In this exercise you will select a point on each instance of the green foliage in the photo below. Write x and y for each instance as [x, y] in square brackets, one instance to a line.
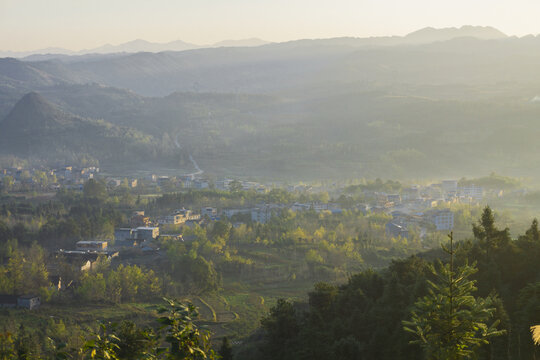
[281, 327]
[127, 341]
[449, 322]
[124, 284]
[493, 181]
[7, 346]
[103, 346]
[94, 189]
[185, 340]
[25, 273]
[225, 350]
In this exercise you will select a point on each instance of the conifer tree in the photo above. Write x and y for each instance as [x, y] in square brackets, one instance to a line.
[450, 323]
[225, 351]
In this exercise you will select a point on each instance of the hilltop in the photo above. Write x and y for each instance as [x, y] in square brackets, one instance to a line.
[37, 129]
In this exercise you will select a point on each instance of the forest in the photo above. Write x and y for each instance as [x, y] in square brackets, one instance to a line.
[364, 318]
[328, 285]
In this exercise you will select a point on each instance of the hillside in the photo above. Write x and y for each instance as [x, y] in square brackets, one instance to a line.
[36, 129]
[322, 108]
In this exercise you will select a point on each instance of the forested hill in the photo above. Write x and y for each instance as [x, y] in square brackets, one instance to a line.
[364, 318]
[435, 103]
[36, 128]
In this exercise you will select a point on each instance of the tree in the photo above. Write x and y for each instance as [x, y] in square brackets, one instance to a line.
[95, 189]
[126, 341]
[533, 234]
[40, 178]
[103, 345]
[450, 323]
[235, 186]
[7, 183]
[133, 342]
[7, 346]
[281, 327]
[225, 351]
[185, 340]
[489, 237]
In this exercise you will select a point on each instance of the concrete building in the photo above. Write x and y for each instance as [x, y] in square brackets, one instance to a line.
[442, 219]
[175, 219]
[471, 191]
[411, 193]
[209, 211]
[394, 229]
[394, 198]
[139, 219]
[262, 215]
[29, 302]
[122, 234]
[147, 233]
[449, 187]
[231, 212]
[91, 245]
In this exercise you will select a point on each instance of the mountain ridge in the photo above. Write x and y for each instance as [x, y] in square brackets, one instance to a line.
[38, 129]
[424, 35]
[133, 46]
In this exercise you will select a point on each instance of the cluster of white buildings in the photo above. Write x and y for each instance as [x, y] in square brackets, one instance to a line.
[178, 217]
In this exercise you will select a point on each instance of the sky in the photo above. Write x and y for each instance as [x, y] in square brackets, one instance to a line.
[82, 24]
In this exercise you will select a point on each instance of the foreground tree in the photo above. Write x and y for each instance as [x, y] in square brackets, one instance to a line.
[225, 351]
[125, 341]
[450, 323]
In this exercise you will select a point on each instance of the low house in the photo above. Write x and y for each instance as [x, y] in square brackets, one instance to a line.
[174, 219]
[147, 233]
[231, 212]
[139, 219]
[28, 301]
[126, 243]
[188, 214]
[209, 211]
[20, 301]
[85, 260]
[395, 198]
[9, 301]
[114, 182]
[122, 234]
[395, 230]
[92, 245]
[176, 237]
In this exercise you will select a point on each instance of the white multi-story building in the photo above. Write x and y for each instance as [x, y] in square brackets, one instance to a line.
[231, 212]
[471, 191]
[442, 219]
[174, 219]
[449, 187]
[209, 211]
[262, 215]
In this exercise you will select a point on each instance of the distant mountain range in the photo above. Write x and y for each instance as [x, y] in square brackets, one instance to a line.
[429, 34]
[433, 103]
[134, 46]
[421, 36]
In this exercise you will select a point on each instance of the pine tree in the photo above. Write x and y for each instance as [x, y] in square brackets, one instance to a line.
[225, 351]
[450, 323]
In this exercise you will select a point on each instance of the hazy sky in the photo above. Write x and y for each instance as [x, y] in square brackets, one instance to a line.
[78, 24]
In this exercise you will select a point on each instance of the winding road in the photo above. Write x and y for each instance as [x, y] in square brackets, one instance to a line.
[195, 165]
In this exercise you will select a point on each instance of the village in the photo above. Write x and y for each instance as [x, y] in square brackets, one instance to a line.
[425, 208]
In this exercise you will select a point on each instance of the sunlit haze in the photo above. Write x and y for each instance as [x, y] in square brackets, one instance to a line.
[75, 25]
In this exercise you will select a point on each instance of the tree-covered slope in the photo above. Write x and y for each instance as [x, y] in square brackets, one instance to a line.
[37, 129]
